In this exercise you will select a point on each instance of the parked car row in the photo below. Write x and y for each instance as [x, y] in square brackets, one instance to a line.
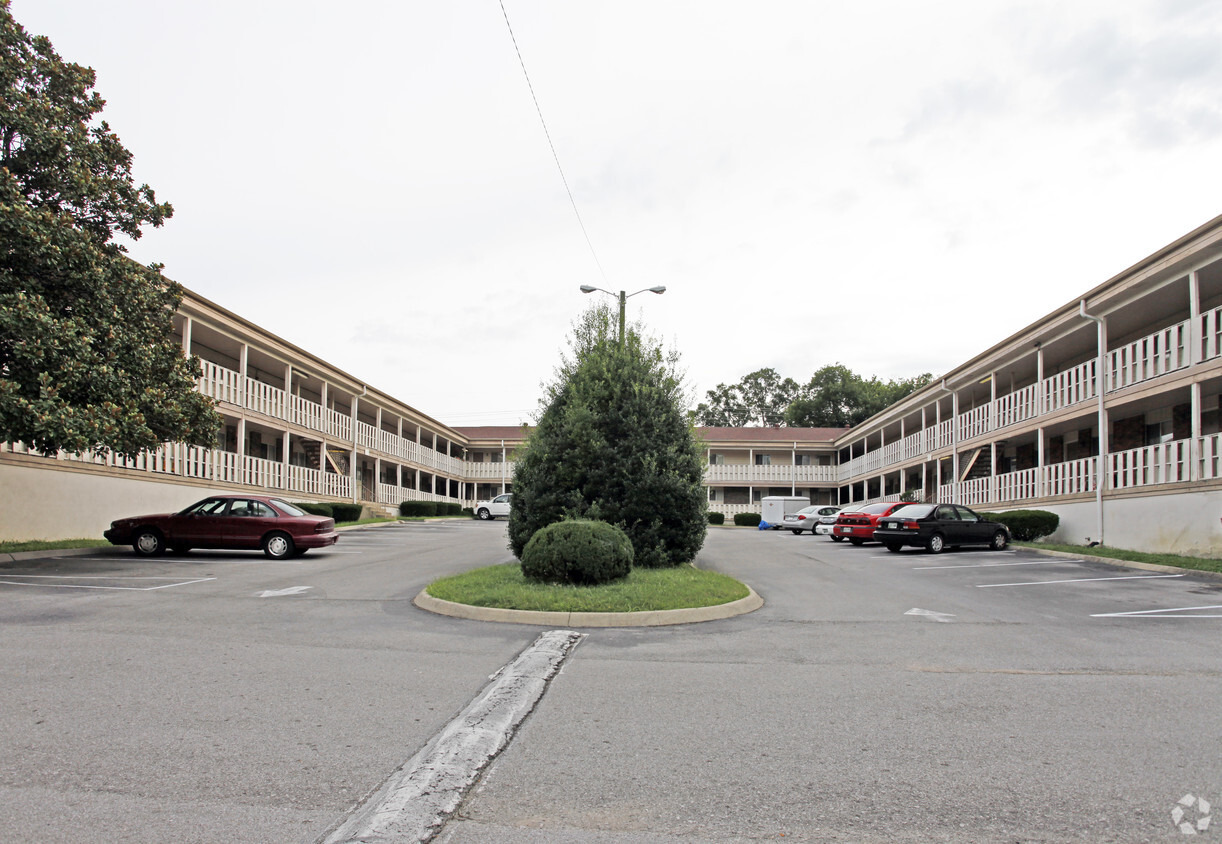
[897, 524]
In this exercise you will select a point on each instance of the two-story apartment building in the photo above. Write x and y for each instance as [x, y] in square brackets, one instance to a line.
[1105, 411]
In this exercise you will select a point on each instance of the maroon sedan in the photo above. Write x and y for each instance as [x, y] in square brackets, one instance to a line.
[227, 521]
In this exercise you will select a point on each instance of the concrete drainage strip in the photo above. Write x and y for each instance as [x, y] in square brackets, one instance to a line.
[414, 803]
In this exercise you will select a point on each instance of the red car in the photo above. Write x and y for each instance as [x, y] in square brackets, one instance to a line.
[858, 524]
[227, 521]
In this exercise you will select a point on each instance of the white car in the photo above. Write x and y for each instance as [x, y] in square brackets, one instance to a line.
[808, 518]
[827, 522]
[498, 506]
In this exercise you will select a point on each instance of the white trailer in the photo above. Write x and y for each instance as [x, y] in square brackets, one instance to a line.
[777, 507]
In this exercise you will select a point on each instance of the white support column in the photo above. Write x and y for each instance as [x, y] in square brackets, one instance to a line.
[187, 325]
[1040, 401]
[352, 476]
[243, 362]
[993, 471]
[954, 465]
[1195, 350]
[793, 470]
[1194, 444]
[1041, 484]
[993, 401]
[377, 480]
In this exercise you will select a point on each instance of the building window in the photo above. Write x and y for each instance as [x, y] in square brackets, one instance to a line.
[763, 460]
[802, 460]
[717, 459]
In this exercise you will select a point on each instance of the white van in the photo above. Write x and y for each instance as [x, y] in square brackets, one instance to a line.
[777, 507]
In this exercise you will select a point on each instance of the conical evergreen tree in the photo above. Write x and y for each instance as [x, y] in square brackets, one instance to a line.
[614, 443]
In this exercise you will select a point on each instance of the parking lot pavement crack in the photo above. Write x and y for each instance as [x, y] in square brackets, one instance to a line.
[413, 804]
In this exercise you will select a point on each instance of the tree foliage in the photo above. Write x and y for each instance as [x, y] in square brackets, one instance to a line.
[834, 397]
[759, 399]
[87, 360]
[613, 444]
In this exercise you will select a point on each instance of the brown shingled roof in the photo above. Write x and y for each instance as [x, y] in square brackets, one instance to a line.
[777, 435]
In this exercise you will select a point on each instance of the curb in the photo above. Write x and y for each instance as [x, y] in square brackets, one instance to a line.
[18, 556]
[1127, 564]
[651, 618]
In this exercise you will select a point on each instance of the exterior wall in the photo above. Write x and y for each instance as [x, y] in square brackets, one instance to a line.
[1139, 523]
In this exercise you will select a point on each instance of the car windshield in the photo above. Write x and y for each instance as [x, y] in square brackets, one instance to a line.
[804, 510]
[207, 507]
[287, 509]
[914, 511]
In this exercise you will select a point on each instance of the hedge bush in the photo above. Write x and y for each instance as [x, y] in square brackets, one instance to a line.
[313, 508]
[578, 552]
[418, 508]
[747, 519]
[717, 518]
[1027, 525]
[346, 512]
[467, 511]
[452, 509]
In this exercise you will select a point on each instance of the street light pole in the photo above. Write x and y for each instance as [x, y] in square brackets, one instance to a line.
[623, 301]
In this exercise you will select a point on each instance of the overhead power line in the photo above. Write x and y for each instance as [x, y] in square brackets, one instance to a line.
[548, 134]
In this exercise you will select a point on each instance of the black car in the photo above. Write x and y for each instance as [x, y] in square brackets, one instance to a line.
[936, 526]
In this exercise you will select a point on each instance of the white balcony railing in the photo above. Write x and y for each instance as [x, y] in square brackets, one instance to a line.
[775, 474]
[1153, 355]
[1165, 463]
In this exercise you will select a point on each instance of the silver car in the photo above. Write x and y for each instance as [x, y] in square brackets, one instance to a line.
[808, 518]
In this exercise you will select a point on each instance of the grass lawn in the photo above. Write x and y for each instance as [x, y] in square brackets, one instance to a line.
[1198, 563]
[643, 589]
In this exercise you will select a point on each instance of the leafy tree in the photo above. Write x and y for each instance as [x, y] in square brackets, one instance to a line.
[613, 444]
[759, 399]
[836, 397]
[87, 360]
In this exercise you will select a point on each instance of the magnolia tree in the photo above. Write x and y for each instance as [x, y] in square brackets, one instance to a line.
[614, 443]
[87, 360]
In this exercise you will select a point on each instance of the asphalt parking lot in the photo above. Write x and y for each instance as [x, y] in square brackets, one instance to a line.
[968, 696]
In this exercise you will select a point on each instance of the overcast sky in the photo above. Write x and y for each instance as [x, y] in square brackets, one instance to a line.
[894, 186]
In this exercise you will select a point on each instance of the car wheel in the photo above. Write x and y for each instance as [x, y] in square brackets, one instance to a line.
[278, 546]
[1000, 541]
[836, 538]
[148, 543]
[894, 547]
[795, 532]
[857, 540]
[483, 514]
[936, 544]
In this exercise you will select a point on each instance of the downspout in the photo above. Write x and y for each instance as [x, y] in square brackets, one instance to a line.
[1100, 389]
[954, 445]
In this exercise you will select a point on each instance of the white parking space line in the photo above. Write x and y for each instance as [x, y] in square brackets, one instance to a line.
[1080, 580]
[995, 565]
[43, 577]
[1168, 613]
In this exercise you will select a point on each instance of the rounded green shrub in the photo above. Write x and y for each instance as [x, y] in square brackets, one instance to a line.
[717, 518]
[346, 512]
[314, 508]
[747, 519]
[418, 508]
[452, 509]
[578, 552]
[1029, 525]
